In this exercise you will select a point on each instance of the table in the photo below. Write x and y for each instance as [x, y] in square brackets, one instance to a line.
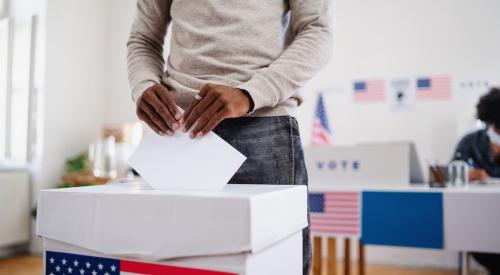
[457, 219]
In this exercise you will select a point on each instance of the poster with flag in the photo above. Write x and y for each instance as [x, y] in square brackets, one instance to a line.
[433, 88]
[335, 213]
[65, 263]
[370, 90]
[321, 129]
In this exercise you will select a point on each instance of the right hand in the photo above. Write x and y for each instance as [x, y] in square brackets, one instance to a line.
[478, 175]
[157, 108]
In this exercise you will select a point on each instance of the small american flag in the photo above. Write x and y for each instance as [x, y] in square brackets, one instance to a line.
[335, 213]
[321, 130]
[371, 90]
[437, 87]
[57, 263]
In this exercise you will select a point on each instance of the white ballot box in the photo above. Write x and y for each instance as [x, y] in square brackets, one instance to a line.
[243, 229]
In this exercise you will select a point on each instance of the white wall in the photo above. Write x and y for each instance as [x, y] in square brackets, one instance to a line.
[74, 86]
[118, 93]
[392, 38]
[75, 81]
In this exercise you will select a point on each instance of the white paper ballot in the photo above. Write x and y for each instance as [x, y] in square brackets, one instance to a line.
[181, 163]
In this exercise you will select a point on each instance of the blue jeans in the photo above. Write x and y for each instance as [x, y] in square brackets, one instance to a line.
[274, 156]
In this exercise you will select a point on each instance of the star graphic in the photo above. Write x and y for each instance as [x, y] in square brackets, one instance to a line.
[87, 264]
[51, 273]
[51, 260]
[63, 261]
[100, 266]
[106, 273]
[82, 271]
[94, 272]
[113, 268]
[70, 270]
[58, 268]
[75, 263]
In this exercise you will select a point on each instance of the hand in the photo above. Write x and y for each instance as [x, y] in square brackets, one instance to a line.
[217, 103]
[157, 108]
[478, 174]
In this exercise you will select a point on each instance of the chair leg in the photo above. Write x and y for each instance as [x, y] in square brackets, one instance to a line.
[464, 269]
[332, 256]
[347, 256]
[316, 257]
[361, 259]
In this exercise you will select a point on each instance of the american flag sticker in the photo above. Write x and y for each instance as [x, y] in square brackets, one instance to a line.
[57, 263]
[335, 213]
[432, 88]
[371, 90]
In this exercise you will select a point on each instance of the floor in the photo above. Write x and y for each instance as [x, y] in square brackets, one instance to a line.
[32, 265]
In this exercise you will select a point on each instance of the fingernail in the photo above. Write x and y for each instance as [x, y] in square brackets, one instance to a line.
[170, 133]
[184, 129]
[182, 120]
[175, 126]
[191, 135]
[160, 133]
[199, 135]
[177, 116]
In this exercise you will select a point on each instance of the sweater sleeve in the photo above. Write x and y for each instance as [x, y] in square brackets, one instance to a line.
[145, 45]
[308, 52]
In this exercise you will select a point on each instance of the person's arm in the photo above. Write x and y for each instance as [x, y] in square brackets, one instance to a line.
[145, 45]
[465, 152]
[309, 51]
[155, 106]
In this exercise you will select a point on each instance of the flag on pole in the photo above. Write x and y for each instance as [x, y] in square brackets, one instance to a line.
[65, 263]
[371, 90]
[321, 129]
[335, 213]
[436, 87]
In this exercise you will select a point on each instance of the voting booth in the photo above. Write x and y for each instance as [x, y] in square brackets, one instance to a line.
[394, 164]
[243, 230]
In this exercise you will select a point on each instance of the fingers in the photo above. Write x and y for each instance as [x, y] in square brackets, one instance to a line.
[205, 118]
[166, 99]
[198, 109]
[213, 122]
[160, 108]
[144, 117]
[153, 117]
[202, 93]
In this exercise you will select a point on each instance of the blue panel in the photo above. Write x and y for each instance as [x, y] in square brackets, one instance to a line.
[359, 86]
[413, 219]
[423, 83]
[316, 202]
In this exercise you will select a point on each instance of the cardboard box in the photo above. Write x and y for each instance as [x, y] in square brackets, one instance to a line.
[130, 221]
[283, 257]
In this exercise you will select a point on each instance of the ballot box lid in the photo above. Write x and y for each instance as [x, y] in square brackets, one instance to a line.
[132, 220]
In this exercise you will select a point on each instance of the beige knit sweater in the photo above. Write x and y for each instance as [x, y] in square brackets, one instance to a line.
[269, 48]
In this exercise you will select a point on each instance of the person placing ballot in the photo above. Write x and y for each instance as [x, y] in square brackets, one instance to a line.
[235, 67]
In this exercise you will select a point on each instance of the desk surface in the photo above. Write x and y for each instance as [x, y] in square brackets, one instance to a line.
[471, 188]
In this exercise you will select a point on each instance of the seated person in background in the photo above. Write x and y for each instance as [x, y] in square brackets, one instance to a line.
[481, 149]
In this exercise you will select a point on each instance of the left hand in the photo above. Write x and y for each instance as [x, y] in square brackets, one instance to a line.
[217, 103]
